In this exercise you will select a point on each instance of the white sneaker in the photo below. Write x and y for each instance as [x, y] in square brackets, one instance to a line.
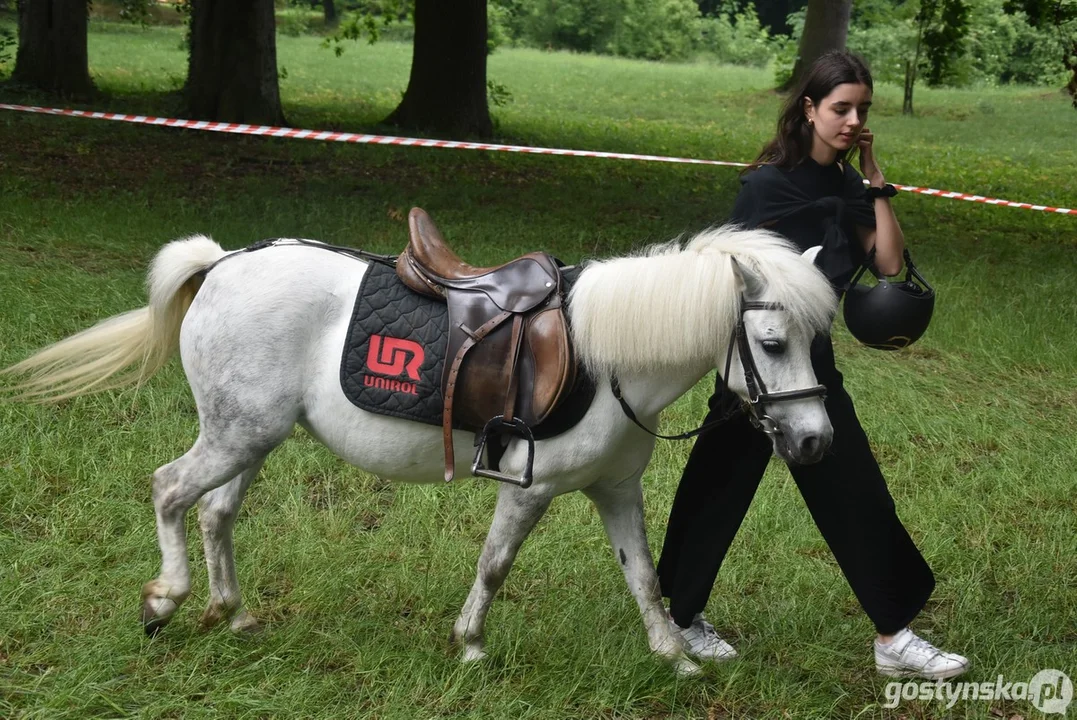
[701, 640]
[908, 655]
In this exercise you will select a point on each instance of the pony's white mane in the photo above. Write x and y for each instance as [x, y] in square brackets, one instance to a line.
[675, 303]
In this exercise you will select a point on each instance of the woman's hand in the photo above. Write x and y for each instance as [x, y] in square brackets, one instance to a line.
[886, 237]
[868, 167]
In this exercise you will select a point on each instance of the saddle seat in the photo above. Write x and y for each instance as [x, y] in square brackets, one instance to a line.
[510, 359]
[431, 252]
[429, 266]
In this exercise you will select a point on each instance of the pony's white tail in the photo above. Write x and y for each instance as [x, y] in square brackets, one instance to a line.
[127, 348]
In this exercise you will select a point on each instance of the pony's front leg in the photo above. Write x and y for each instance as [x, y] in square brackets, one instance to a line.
[217, 511]
[620, 504]
[515, 516]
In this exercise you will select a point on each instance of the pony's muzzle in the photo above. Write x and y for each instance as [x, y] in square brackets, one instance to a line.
[804, 448]
[803, 439]
[811, 448]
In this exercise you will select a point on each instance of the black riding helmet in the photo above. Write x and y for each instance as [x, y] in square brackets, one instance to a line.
[889, 315]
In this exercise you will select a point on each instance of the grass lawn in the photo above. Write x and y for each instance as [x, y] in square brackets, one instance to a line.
[357, 580]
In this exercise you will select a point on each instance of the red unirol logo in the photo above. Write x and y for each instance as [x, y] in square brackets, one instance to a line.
[393, 357]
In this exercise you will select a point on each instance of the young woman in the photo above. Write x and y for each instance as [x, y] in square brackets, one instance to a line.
[802, 187]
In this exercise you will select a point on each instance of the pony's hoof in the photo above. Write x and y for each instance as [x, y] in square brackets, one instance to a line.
[218, 612]
[245, 624]
[159, 604]
[212, 617]
[473, 654]
[683, 667]
[153, 627]
[156, 612]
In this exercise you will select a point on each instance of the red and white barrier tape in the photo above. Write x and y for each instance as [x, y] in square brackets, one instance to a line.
[328, 136]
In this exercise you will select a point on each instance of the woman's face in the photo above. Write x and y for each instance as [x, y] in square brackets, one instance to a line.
[840, 116]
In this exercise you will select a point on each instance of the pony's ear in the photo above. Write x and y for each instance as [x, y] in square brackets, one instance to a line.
[748, 282]
[811, 253]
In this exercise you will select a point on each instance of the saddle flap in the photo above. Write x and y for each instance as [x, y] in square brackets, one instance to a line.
[546, 372]
[548, 364]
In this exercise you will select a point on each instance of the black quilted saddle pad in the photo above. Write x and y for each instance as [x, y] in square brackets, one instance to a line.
[394, 352]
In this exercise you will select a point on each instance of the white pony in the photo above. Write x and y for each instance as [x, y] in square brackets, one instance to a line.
[261, 336]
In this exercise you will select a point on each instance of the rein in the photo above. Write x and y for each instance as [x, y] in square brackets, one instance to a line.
[757, 389]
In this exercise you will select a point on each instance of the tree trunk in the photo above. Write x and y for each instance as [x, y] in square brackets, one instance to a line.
[1071, 65]
[826, 26]
[912, 67]
[330, 12]
[52, 47]
[910, 81]
[447, 90]
[232, 73]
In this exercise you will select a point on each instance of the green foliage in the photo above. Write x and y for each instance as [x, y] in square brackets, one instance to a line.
[507, 21]
[498, 32]
[646, 29]
[885, 47]
[1044, 13]
[582, 25]
[293, 22]
[498, 94]
[1005, 48]
[730, 32]
[368, 19]
[875, 13]
[786, 57]
[739, 39]
[944, 35]
[657, 30]
[8, 44]
[1060, 18]
[977, 44]
[135, 12]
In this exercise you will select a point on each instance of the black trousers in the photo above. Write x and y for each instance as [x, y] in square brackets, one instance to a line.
[845, 493]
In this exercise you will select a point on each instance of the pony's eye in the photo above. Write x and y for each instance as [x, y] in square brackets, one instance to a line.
[774, 347]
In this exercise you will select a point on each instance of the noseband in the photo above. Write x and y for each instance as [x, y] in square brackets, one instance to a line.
[757, 389]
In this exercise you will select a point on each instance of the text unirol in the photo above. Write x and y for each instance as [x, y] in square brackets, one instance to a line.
[391, 385]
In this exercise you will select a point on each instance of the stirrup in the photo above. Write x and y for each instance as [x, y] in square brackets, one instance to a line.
[516, 427]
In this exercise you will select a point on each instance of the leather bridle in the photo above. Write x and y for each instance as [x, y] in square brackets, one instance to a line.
[757, 389]
[758, 396]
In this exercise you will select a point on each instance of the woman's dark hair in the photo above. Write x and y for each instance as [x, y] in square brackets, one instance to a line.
[793, 140]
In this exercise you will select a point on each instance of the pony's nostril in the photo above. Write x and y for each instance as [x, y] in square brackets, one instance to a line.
[809, 446]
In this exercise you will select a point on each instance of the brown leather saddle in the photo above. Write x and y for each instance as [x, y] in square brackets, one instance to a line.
[509, 359]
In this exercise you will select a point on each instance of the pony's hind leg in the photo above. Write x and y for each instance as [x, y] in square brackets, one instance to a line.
[515, 516]
[217, 511]
[176, 487]
[620, 505]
